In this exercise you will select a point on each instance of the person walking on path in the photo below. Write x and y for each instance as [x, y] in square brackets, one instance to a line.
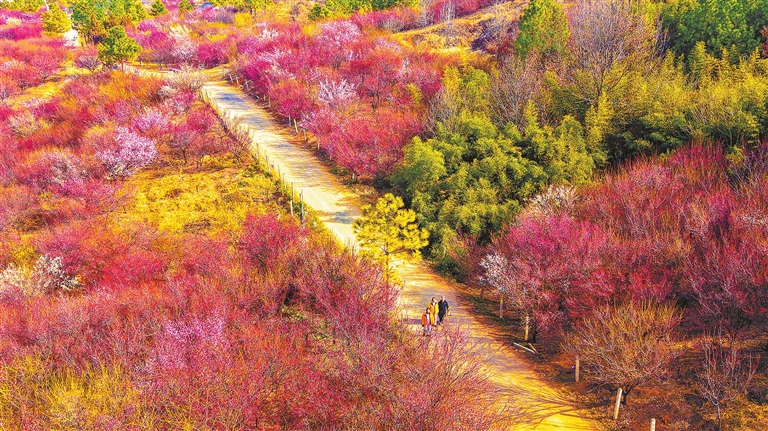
[433, 311]
[426, 322]
[442, 309]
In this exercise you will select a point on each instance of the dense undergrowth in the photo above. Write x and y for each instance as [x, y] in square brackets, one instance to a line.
[689, 230]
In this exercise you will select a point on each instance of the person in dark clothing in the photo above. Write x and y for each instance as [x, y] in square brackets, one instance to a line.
[442, 309]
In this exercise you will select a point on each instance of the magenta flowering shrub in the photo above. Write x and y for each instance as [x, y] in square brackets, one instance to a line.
[686, 230]
[363, 97]
[55, 170]
[212, 53]
[306, 337]
[70, 153]
[11, 14]
[27, 63]
[17, 25]
[151, 122]
[395, 19]
[181, 346]
[22, 31]
[191, 40]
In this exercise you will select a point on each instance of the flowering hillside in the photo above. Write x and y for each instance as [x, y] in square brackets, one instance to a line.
[597, 166]
[149, 279]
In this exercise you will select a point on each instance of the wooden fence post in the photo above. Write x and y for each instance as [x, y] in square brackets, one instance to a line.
[618, 404]
[578, 366]
[527, 326]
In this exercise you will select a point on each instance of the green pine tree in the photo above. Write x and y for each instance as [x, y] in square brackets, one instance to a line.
[118, 47]
[56, 21]
[135, 11]
[387, 232]
[97, 30]
[543, 29]
[158, 8]
[88, 20]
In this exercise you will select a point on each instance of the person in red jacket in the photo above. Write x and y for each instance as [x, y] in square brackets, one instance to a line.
[426, 322]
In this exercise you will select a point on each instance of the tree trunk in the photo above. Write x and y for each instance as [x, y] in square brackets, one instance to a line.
[389, 264]
[719, 418]
[626, 395]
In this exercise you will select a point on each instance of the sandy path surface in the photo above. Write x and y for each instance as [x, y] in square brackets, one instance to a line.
[338, 207]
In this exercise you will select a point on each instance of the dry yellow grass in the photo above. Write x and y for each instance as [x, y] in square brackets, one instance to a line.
[214, 199]
[466, 29]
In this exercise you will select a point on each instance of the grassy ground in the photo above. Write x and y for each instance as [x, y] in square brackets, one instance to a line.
[214, 198]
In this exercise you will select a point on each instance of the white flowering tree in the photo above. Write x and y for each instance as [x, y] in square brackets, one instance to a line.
[336, 94]
[499, 274]
[133, 153]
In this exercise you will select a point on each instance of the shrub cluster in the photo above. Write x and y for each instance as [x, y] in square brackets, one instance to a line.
[688, 231]
[186, 40]
[26, 59]
[362, 96]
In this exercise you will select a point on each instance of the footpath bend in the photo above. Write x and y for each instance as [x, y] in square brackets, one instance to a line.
[540, 405]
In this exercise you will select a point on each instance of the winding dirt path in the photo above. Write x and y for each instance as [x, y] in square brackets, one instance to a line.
[338, 207]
